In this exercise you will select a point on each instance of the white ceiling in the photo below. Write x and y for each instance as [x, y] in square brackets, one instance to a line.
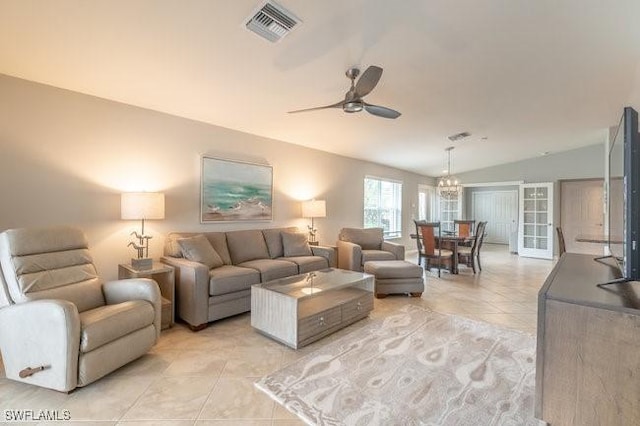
[529, 75]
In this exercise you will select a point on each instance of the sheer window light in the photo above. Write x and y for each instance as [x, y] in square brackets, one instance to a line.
[383, 206]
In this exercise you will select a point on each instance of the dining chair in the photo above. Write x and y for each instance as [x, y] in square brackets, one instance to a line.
[561, 246]
[480, 236]
[419, 245]
[466, 254]
[431, 250]
[464, 228]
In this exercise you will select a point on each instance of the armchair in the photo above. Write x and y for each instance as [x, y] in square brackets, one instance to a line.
[357, 246]
[60, 326]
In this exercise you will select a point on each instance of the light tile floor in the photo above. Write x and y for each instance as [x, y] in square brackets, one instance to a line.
[206, 378]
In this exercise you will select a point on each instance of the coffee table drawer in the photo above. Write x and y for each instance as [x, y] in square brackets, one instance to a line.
[357, 307]
[317, 323]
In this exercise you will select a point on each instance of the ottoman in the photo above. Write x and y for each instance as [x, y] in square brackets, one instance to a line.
[396, 276]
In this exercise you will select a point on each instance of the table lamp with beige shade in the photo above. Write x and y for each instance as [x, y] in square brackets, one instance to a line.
[141, 206]
[313, 209]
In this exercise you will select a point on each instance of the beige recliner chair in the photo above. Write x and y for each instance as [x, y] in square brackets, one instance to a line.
[356, 246]
[60, 326]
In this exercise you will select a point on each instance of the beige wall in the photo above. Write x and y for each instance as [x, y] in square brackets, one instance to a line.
[66, 157]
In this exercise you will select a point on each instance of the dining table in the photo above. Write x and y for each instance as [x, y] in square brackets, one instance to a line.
[451, 241]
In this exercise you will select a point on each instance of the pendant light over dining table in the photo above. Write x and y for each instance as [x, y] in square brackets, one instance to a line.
[448, 185]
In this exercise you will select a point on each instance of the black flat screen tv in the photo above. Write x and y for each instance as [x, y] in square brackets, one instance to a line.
[623, 198]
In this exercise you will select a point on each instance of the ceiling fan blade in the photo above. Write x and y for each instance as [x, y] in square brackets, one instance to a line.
[336, 105]
[381, 111]
[368, 81]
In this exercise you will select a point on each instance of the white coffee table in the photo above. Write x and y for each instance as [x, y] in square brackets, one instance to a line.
[301, 309]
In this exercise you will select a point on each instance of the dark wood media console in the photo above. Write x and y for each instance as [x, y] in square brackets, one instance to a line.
[588, 354]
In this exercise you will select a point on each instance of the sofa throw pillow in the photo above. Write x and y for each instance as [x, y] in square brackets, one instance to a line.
[273, 238]
[171, 246]
[295, 244]
[199, 249]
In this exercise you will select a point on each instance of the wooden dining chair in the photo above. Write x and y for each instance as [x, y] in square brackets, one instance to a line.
[561, 247]
[419, 245]
[467, 255]
[431, 250]
[464, 228]
[480, 236]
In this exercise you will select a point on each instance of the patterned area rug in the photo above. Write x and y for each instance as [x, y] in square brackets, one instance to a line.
[415, 367]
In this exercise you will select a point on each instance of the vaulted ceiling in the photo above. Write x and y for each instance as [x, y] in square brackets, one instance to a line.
[523, 77]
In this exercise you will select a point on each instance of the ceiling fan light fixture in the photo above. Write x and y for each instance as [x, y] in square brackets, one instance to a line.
[354, 98]
[353, 106]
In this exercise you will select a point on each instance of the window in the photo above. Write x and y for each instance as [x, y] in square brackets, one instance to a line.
[383, 206]
[427, 209]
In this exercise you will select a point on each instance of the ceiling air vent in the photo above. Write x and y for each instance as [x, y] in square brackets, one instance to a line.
[459, 136]
[272, 21]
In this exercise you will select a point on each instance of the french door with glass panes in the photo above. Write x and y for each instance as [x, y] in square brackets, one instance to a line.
[450, 209]
[535, 236]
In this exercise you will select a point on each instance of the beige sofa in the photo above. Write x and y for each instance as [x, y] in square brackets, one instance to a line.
[357, 246]
[246, 257]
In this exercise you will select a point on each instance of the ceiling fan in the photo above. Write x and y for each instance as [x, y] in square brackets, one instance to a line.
[353, 101]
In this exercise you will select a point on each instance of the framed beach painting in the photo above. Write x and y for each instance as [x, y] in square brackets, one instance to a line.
[234, 191]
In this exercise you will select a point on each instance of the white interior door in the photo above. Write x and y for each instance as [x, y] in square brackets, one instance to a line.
[535, 236]
[500, 210]
[582, 212]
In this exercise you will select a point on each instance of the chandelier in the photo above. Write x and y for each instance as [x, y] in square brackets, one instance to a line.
[448, 185]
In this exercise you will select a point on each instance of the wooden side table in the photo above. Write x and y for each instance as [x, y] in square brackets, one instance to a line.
[164, 275]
